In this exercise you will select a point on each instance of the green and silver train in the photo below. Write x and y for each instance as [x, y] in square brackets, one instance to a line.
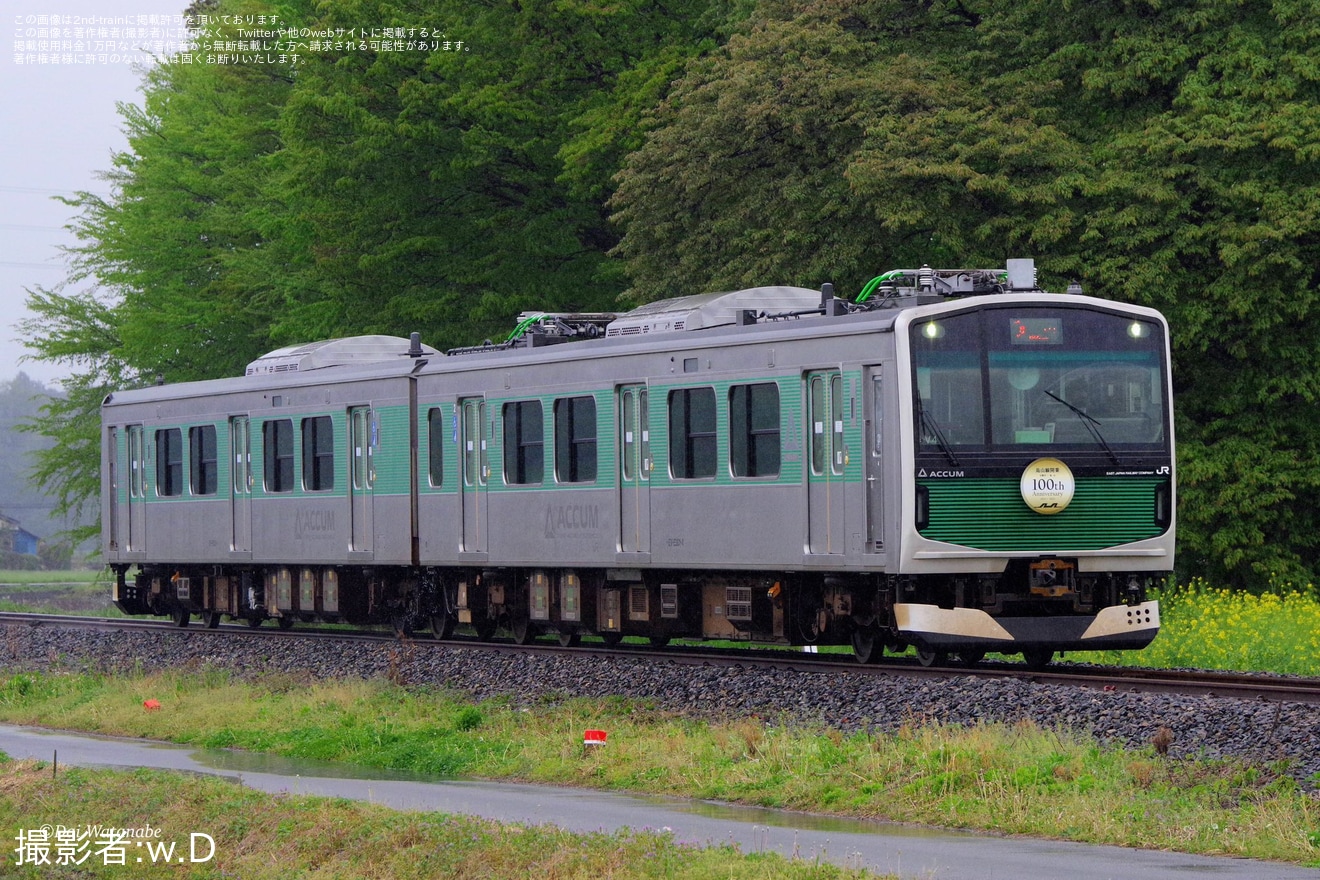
[958, 461]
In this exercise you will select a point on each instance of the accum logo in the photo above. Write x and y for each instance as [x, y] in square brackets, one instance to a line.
[313, 523]
[568, 520]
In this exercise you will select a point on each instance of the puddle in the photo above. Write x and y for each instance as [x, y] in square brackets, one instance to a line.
[232, 761]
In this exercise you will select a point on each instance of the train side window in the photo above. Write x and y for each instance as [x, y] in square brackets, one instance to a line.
[754, 430]
[816, 390]
[169, 462]
[137, 463]
[636, 436]
[203, 460]
[435, 446]
[524, 443]
[878, 408]
[575, 439]
[277, 449]
[836, 412]
[318, 453]
[692, 437]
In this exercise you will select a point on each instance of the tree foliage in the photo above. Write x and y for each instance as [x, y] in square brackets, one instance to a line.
[354, 191]
[1163, 153]
[21, 399]
[1158, 151]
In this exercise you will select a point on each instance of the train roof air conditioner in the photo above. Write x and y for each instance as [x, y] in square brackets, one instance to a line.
[337, 353]
[703, 310]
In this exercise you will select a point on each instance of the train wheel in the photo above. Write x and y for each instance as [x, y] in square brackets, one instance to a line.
[523, 631]
[932, 658]
[659, 641]
[286, 622]
[485, 628]
[181, 617]
[970, 658]
[867, 645]
[570, 639]
[442, 625]
[1037, 658]
[611, 639]
[212, 620]
[254, 620]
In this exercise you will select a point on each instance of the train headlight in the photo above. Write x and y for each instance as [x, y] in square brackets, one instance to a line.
[1138, 330]
[932, 330]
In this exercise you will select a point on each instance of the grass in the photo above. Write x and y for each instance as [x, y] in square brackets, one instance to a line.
[1020, 779]
[57, 592]
[258, 836]
[10, 577]
[1012, 779]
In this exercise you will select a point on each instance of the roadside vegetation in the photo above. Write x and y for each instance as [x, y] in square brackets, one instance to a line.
[57, 592]
[1017, 779]
[256, 836]
[1205, 627]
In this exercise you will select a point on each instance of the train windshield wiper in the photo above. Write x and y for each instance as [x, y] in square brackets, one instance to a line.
[928, 422]
[1092, 424]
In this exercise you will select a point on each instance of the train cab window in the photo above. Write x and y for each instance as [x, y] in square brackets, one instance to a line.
[277, 450]
[524, 443]
[1032, 376]
[318, 454]
[203, 460]
[950, 402]
[169, 462]
[754, 430]
[435, 447]
[575, 439]
[692, 436]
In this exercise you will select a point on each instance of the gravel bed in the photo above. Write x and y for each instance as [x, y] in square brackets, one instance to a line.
[1214, 727]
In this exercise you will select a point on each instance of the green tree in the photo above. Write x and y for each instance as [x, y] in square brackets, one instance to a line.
[1162, 153]
[352, 190]
[76, 329]
[21, 398]
[448, 191]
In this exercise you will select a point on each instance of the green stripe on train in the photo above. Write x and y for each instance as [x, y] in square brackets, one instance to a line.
[989, 514]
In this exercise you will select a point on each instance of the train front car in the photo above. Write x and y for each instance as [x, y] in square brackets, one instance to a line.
[1038, 482]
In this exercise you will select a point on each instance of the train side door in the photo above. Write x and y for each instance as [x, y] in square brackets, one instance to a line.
[362, 477]
[476, 472]
[240, 484]
[634, 470]
[825, 496]
[136, 539]
[873, 437]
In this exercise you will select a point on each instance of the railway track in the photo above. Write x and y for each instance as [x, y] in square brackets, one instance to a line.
[1205, 683]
